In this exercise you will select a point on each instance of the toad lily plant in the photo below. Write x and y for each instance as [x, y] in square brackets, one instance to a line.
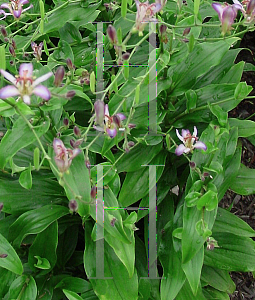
[107, 123]
[188, 142]
[15, 7]
[24, 84]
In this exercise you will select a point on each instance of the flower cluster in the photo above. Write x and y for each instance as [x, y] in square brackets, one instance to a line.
[24, 85]
[15, 7]
[108, 124]
[63, 156]
[248, 9]
[188, 142]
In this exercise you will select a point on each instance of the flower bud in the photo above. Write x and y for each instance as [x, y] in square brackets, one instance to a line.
[59, 76]
[162, 29]
[72, 143]
[73, 205]
[69, 64]
[250, 7]
[77, 131]
[12, 51]
[186, 31]
[3, 31]
[125, 56]
[66, 122]
[99, 111]
[70, 94]
[1, 206]
[112, 34]
[131, 125]
[93, 192]
[6, 40]
[131, 144]
[11, 62]
[87, 163]
[14, 44]
[192, 165]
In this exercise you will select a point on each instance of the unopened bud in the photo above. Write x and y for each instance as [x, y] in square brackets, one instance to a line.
[87, 163]
[82, 81]
[112, 34]
[186, 31]
[192, 164]
[162, 29]
[66, 122]
[69, 64]
[131, 144]
[77, 131]
[3, 31]
[93, 192]
[6, 39]
[12, 51]
[99, 111]
[59, 76]
[72, 143]
[14, 44]
[131, 125]
[73, 205]
[70, 94]
[87, 81]
[125, 56]
[1, 206]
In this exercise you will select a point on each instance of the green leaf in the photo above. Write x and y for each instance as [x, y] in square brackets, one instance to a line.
[242, 90]
[127, 288]
[196, 6]
[192, 270]
[228, 222]
[219, 279]
[243, 184]
[46, 256]
[2, 58]
[209, 200]
[72, 295]
[35, 221]
[25, 178]
[7, 277]
[74, 284]
[11, 261]
[235, 253]
[23, 288]
[186, 293]
[221, 115]
[70, 33]
[19, 137]
[246, 128]
[173, 276]
[191, 97]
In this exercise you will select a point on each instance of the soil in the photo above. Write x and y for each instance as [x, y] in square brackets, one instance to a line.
[244, 206]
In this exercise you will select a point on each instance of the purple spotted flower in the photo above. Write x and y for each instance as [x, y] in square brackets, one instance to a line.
[24, 84]
[15, 7]
[227, 14]
[188, 142]
[63, 156]
[105, 122]
[247, 8]
[145, 13]
[37, 50]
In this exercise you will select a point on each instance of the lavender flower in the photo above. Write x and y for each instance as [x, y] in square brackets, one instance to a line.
[248, 9]
[63, 156]
[107, 123]
[227, 15]
[188, 142]
[145, 13]
[37, 50]
[24, 85]
[15, 7]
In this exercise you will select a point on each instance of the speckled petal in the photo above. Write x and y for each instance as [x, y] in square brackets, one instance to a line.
[26, 69]
[9, 91]
[8, 76]
[179, 136]
[180, 150]
[111, 132]
[42, 78]
[200, 145]
[42, 92]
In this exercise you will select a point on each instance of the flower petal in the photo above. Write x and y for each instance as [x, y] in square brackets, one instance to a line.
[99, 110]
[42, 78]
[219, 9]
[121, 116]
[61, 164]
[195, 131]
[111, 132]
[22, 2]
[42, 92]
[180, 150]
[9, 91]
[98, 128]
[106, 110]
[8, 76]
[17, 13]
[179, 136]
[185, 133]
[26, 99]
[26, 69]
[5, 5]
[200, 145]
[75, 152]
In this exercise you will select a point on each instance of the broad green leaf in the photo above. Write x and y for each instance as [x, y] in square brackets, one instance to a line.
[74, 284]
[7, 277]
[76, 182]
[242, 90]
[50, 237]
[228, 222]
[11, 261]
[221, 115]
[186, 293]
[191, 97]
[25, 178]
[235, 253]
[192, 270]
[219, 279]
[70, 33]
[127, 288]
[212, 294]
[35, 221]
[246, 128]
[173, 276]
[191, 240]
[71, 295]
[23, 288]
[19, 137]
[243, 184]
[43, 192]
